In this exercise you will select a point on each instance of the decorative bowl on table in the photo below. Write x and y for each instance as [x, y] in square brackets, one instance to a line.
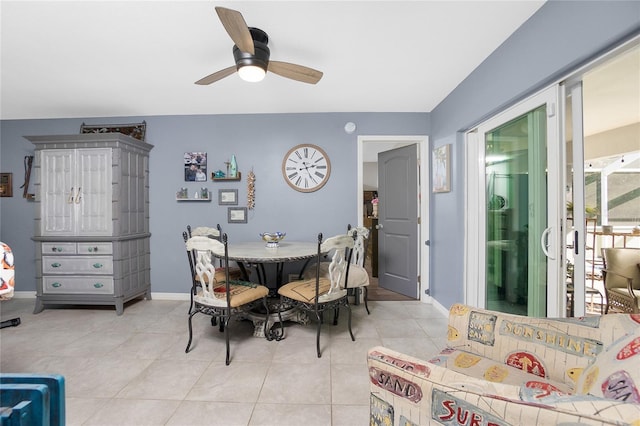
[273, 238]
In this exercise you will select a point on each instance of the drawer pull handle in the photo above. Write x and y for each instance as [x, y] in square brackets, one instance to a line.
[98, 285]
[58, 249]
[56, 265]
[56, 285]
[97, 265]
[92, 249]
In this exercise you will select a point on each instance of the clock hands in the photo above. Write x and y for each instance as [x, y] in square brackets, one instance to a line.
[306, 167]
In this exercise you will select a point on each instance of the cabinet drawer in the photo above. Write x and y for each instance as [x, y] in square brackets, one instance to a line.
[58, 248]
[101, 265]
[95, 248]
[77, 285]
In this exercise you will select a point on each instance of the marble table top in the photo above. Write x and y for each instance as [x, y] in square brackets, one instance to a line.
[258, 252]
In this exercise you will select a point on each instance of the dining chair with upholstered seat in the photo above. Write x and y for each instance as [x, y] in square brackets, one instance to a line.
[358, 276]
[320, 293]
[621, 275]
[222, 299]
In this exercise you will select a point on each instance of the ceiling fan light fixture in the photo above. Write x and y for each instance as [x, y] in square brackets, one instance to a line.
[250, 67]
[251, 73]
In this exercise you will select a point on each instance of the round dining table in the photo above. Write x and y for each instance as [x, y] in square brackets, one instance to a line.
[258, 254]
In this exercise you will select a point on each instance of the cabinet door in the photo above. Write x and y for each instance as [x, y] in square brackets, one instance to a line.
[76, 192]
[57, 192]
[94, 178]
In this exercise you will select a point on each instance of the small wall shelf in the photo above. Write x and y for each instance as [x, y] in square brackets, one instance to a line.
[193, 199]
[226, 179]
[200, 198]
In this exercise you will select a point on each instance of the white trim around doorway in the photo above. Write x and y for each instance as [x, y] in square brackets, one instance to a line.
[423, 161]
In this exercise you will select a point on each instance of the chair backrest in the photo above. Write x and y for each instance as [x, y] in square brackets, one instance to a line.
[205, 231]
[622, 261]
[361, 244]
[341, 247]
[204, 249]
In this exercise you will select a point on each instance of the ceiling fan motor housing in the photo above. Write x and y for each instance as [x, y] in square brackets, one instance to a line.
[262, 52]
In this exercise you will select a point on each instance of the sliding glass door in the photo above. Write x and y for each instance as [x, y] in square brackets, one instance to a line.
[602, 133]
[518, 240]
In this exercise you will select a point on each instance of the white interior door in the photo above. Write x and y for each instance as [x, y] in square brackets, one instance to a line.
[398, 230]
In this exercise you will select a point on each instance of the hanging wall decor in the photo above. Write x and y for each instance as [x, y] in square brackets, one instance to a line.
[195, 166]
[237, 214]
[251, 190]
[441, 169]
[228, 197]
[6, 184]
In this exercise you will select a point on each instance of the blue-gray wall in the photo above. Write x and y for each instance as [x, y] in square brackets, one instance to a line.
[259, 143]
[558, 38]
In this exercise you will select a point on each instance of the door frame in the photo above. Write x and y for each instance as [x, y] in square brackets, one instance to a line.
[423, 185]
[475, 188]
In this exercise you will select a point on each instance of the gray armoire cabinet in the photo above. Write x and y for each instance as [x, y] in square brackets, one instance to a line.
[92, 219]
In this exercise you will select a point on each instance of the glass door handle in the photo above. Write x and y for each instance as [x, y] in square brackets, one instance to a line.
[544, 239]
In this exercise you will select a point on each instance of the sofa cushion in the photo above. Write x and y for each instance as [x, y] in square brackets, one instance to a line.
[518, 369]
[616, 372]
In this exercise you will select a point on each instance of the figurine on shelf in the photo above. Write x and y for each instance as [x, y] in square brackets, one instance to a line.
[218, 174]
[233, 167]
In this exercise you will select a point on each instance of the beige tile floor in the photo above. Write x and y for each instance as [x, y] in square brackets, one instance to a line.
[132, 369]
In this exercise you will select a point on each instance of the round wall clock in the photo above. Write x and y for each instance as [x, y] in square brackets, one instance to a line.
[306, 167]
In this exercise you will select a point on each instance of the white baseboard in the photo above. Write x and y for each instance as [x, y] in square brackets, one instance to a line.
[170, 296]
[157, 296]
[24, 294]
[439, 307]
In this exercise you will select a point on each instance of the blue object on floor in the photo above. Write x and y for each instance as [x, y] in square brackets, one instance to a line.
[54, 383]
[19, 414]
[13, 396]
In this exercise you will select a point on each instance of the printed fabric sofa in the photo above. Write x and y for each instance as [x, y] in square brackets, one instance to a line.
[503, 369]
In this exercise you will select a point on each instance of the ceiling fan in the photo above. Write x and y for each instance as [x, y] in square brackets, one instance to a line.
[252, 54]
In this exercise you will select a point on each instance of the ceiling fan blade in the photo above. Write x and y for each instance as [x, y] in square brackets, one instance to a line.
[219, 75]
[295, 72]
[237, 28]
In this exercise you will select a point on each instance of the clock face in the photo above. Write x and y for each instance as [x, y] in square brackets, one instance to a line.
[306, 168]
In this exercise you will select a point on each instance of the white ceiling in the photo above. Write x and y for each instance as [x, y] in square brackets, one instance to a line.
[137, 58]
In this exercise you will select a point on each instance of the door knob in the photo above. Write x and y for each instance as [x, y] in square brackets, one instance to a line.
[379, 226]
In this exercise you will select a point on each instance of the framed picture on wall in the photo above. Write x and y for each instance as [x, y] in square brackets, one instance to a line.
[195, 166]
[228, 197]
[6, 184]
[237, 215]
[441, 165]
